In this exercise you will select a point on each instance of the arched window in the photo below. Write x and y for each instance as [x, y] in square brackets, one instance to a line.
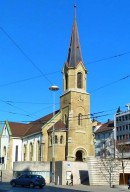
[56, 139]
[50, 139]
[38, 151]
[25, 152]
[65, 120]
[4, 151]
[79, 80]
[79, 119]
[4, 156]
[61, 139]
[31, 151]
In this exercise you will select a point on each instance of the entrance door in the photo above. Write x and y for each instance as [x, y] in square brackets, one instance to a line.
[79, 156]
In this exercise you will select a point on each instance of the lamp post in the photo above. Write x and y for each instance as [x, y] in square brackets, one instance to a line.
[53, 88]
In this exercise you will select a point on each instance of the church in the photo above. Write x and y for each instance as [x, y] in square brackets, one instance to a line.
[67, 131]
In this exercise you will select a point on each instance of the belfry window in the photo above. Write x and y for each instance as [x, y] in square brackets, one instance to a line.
[79, 80]
[66, 81]
[79, 119]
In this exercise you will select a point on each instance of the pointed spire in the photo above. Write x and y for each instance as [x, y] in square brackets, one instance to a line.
[74, 53]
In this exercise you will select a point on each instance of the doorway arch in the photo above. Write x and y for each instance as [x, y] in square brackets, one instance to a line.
[79, 156]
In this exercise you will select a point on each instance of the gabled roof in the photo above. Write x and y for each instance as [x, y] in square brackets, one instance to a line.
[18, 129]
[59, 125]
[21, 129]
[74, 53]
[37, 125]
[108, 126]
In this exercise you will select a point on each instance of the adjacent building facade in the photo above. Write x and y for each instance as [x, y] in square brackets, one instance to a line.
[122, 132]
[104, 139]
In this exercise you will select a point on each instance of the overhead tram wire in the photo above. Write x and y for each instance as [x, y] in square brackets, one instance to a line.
[88, 116]
[106, 85]
[8, 103]
[111, 57]
[27, 79]
[25, 55]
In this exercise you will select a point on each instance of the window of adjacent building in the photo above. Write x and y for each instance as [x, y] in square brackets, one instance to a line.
[79, 80]
[98, 136]
[126, 117]
[16, 153]
[79, 119]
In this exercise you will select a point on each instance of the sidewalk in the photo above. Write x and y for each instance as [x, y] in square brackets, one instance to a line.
[89, 188]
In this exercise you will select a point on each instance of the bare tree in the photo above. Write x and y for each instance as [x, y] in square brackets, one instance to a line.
[109, 169]
[113, 160]
[122, 151]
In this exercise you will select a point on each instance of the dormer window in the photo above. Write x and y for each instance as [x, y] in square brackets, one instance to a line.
[79, 80]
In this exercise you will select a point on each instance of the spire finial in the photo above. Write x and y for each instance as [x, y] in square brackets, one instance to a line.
[75, 10]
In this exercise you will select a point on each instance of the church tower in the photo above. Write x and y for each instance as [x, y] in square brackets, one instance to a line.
[75, 103]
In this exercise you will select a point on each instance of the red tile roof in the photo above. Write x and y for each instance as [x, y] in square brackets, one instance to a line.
[18, 129]
[59, 125]
[21, 129]
[106, 127]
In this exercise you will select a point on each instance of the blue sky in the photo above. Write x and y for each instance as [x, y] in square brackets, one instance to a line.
[34, 41]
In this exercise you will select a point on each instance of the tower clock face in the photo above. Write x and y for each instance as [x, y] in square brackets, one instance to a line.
[80, 99]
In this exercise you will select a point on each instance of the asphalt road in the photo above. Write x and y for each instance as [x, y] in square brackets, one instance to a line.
[5, 187]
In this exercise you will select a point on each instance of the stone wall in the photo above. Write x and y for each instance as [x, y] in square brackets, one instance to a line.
[33, 168]
[65, 168]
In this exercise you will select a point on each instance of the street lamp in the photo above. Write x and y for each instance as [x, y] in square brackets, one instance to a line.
[53, 88]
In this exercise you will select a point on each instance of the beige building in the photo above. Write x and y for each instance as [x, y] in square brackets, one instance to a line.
[72, 123]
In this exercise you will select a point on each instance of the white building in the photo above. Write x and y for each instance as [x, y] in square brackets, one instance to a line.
[104, 137]
[122, 131]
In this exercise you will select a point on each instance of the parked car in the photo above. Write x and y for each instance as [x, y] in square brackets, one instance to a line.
[29, 180]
